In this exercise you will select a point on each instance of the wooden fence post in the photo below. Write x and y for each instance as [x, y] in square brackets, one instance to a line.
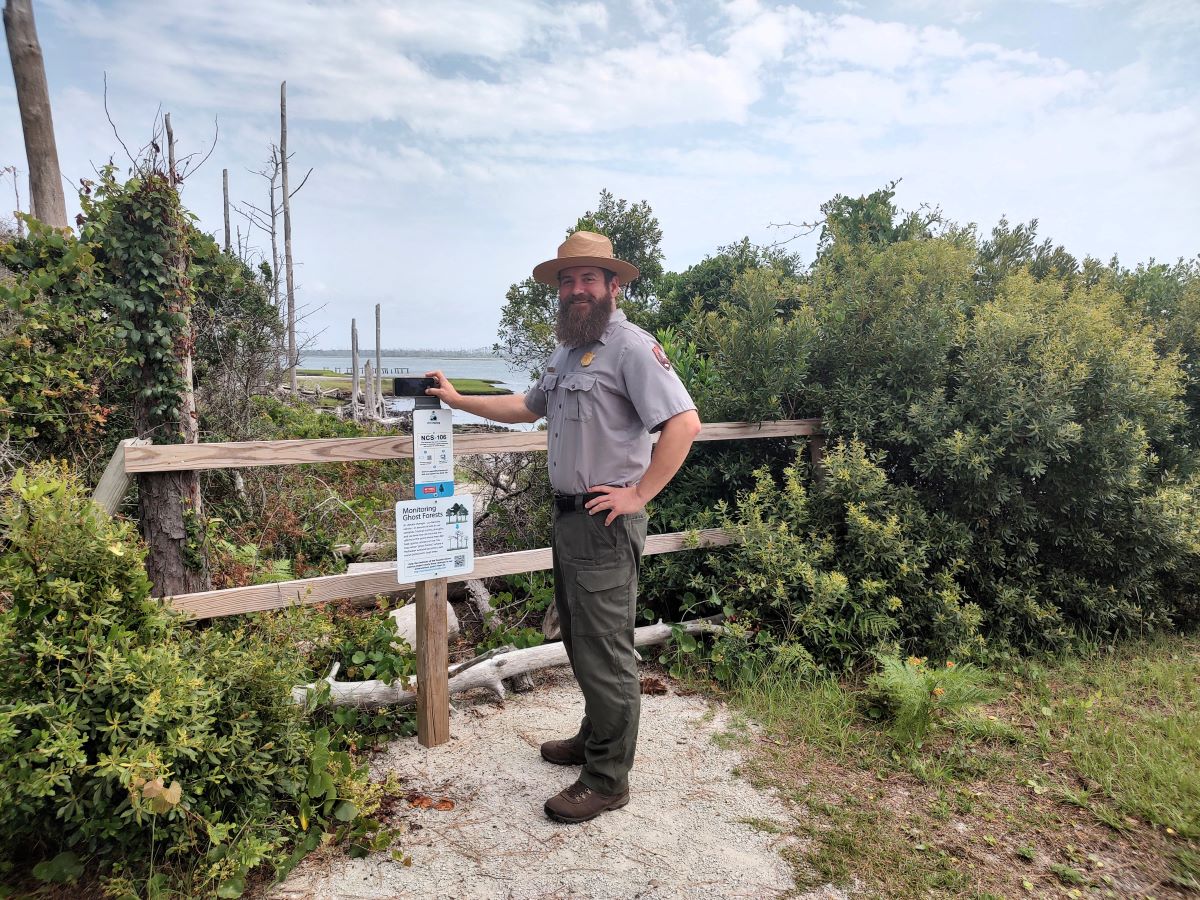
[433, 690]
[816, 449]
[114, 483]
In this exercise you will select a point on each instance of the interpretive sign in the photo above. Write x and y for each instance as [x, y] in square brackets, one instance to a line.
[434, 538]
[433, 453]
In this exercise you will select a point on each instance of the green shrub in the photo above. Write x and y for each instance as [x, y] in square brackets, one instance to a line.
[127, 736]
[846, 566]
[1033, 413]
[56, 344]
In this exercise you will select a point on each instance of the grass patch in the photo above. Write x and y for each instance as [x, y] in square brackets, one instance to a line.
[1185, 869]
[1136, 734]
[1081, 778]
[325, 372]
[478, 386]
[819, 711]
[851, 841]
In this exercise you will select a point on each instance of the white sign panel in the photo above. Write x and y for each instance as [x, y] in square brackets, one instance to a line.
[433, 453]
[434, 538]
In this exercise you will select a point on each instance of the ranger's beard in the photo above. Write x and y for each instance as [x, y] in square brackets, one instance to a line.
[583, 323]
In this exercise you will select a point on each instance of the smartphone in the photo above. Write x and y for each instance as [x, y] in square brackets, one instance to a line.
[412, 387]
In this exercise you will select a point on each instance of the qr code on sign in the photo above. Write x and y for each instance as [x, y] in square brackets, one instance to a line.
[460, 560]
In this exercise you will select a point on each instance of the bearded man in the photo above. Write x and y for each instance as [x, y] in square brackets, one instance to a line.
[607, 387]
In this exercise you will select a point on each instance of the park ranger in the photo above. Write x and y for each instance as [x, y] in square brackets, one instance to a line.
[606, 388]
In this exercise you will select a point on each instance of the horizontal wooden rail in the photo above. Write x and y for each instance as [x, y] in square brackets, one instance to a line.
[303, 592]
[244, 454]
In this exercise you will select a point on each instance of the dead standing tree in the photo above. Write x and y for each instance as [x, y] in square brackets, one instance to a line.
[267, 219]
[46, 199]
[148, 231]
[225, 193]
[287, 240]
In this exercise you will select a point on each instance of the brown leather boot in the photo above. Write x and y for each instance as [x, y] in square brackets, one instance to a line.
[578, 803]
[564, 753]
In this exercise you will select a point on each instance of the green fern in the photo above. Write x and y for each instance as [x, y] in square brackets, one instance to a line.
[914, 695]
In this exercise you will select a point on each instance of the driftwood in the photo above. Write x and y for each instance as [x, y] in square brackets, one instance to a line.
[359, 550]
[405, 620]
[481, 598]
[488, 672]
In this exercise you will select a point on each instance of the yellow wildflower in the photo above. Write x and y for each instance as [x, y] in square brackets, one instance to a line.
[938, 691]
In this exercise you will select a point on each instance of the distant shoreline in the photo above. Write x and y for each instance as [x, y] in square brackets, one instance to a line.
[474, 353]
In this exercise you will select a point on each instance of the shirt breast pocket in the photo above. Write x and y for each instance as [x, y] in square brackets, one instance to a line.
[579, 398]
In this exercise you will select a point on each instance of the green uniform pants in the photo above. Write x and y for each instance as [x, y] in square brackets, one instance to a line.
[595, 588]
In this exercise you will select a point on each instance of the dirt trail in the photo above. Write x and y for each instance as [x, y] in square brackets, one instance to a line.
[684, 833]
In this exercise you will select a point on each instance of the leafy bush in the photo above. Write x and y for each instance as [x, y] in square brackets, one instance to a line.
[846, 566]
[761, 346]
[1031, 411]
[362, 641]
[55, 343]
[126, 736]
[518, 611]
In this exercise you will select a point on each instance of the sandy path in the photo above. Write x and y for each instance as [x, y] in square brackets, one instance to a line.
[682, 834]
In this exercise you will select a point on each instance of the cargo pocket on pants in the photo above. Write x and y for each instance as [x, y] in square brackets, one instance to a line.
[602, 602]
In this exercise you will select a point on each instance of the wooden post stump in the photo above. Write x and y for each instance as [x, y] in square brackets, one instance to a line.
[816, 448]
[433, 691]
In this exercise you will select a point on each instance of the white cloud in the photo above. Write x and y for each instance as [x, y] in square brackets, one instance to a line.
[432, 126]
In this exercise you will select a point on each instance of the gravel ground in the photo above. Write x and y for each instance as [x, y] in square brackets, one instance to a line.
[683, 833]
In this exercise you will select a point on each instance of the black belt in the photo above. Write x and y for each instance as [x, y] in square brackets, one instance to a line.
[572, 502]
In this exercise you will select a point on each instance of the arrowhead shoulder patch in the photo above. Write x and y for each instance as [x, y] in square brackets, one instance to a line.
[661, 356]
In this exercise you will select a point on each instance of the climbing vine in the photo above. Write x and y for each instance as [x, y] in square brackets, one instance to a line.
[140, 234]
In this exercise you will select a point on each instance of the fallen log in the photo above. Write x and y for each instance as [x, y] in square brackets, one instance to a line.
[485, 673]
[481, 598]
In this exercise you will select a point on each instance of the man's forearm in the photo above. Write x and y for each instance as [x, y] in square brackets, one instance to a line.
[669, 453]
[508, 408]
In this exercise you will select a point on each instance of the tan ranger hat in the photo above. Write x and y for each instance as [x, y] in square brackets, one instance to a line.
[585, 248]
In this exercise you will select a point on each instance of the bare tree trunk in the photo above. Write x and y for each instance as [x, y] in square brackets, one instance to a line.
[354, 369]
[287, 238]
[225, 191]
[170, 149]
[274, 229]
[46, 200]
[369, 391]
[169, 503]
[166, 503]
[378, 385]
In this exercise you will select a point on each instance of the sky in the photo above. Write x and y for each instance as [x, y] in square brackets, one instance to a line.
[453, 143]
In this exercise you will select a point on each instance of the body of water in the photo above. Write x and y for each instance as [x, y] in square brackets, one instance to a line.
[487, 368]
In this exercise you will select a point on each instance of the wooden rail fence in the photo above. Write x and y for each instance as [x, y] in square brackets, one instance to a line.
[139, 456]
[136, 456]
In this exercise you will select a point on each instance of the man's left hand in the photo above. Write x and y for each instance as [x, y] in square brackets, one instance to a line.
[617, 501]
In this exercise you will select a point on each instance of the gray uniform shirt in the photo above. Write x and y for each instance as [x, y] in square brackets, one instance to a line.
[600, 414]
